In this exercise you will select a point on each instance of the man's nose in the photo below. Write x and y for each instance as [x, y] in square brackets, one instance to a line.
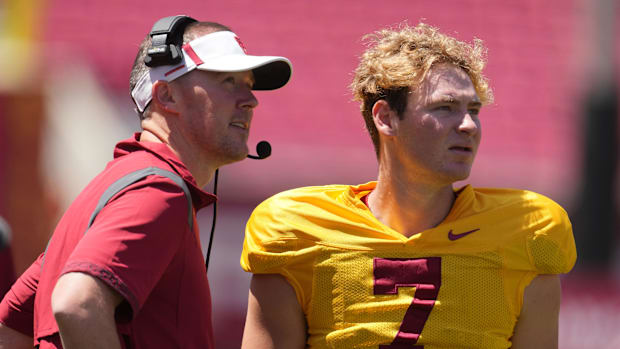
[468, 124]
[248, 101]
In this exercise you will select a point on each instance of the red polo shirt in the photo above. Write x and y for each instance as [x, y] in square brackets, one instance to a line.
[17, 307]
[141, 245]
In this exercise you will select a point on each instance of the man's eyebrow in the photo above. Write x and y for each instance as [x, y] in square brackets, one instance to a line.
[443, 99]
[452, 99]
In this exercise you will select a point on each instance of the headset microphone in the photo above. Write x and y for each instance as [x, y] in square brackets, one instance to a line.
[263, 151]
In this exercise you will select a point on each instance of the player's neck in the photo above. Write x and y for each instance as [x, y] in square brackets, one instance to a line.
[407, 206]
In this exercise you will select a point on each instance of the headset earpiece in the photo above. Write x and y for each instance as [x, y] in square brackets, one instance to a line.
[167, 38]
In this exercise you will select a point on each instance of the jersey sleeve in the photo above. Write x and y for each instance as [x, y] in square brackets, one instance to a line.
[17, 306]
[551, 245]
[133, 240]
[274, 244]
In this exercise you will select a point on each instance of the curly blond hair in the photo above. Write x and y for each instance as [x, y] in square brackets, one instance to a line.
[397, 62]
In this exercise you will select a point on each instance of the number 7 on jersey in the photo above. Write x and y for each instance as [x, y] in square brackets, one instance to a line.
[422, 273]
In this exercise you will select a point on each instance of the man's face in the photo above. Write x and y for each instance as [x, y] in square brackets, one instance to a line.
[438, 136]
[216, 112]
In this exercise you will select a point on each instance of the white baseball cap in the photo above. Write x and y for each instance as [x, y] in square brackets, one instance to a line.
[220, 51]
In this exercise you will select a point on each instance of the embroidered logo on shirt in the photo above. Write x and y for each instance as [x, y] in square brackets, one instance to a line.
[453, 237]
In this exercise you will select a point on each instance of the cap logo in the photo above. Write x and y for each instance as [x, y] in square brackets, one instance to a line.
[241, 44]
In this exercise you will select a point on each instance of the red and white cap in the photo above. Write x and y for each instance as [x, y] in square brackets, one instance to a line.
[219, 52]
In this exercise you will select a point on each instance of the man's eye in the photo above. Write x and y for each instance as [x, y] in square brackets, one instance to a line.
[474, 111]
[444, 108]
[230, 80]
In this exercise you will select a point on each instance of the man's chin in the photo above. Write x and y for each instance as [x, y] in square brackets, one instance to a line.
[459, 174]
[237, 156]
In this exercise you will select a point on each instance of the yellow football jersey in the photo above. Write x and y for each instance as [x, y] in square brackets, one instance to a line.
[364, 285]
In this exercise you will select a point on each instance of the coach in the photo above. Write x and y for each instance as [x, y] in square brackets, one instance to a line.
[124, 267]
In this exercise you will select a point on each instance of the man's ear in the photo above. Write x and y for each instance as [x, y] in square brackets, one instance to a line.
[162, 97]
[383, 116]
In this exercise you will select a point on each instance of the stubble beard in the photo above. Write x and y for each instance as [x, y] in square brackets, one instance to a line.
[231, 152]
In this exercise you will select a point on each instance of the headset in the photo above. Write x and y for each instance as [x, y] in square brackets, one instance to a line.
[166, 41]
[263, 151]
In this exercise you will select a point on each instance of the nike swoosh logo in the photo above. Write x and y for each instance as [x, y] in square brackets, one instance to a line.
[453, 237]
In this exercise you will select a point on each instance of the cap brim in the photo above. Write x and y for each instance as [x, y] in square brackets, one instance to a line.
[270, 72]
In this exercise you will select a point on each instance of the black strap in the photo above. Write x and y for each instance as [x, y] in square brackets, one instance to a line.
[217, 171]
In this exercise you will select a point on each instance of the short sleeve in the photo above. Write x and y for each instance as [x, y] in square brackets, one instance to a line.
[133, 240]
[551, 245]
[17, 306]
[272, 246]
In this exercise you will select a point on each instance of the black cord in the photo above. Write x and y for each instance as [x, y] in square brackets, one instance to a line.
[212, 225]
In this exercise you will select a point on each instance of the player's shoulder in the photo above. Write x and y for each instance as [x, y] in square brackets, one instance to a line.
[312, 191]
[535, 219]
[300, 206]
[518, 201]
[309, 195]
[286, 218]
